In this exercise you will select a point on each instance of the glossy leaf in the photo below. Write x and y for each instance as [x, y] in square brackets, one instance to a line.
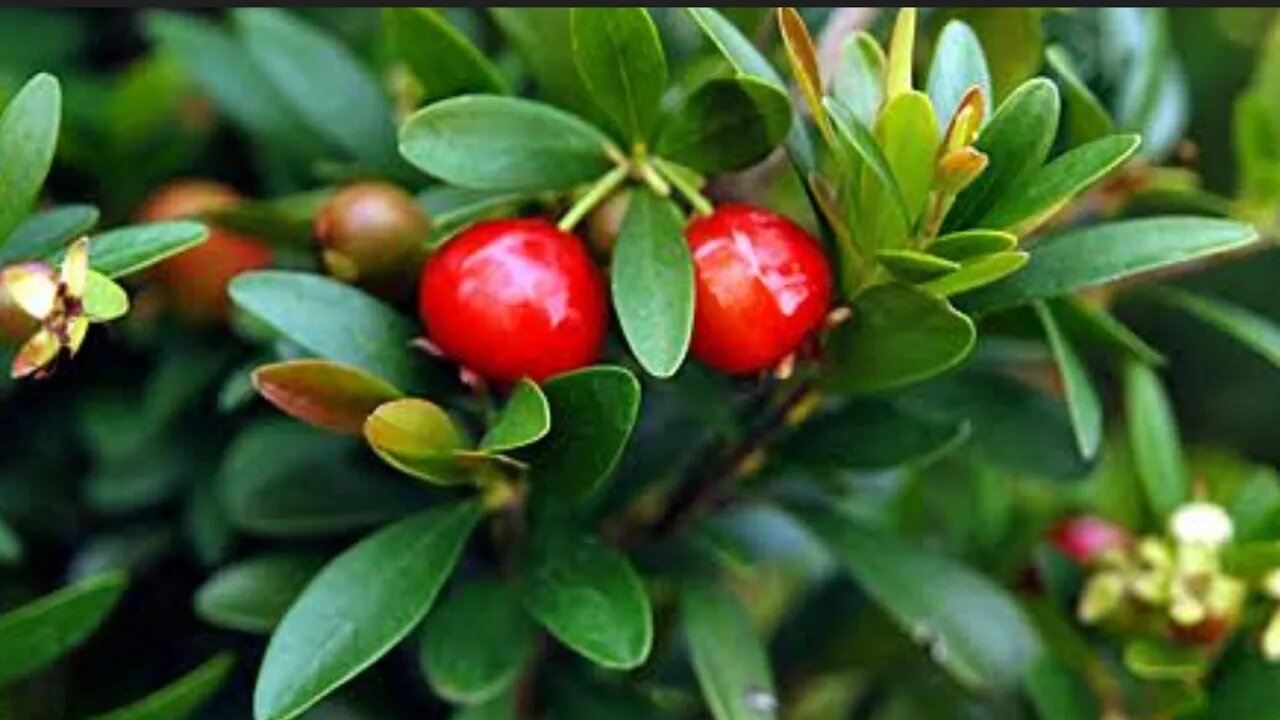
[1086, 119]
[958, 64]
[323, 393]
[441, 58]
[181, 698]
[124, 251]
[360, 605]
[970, 625]
[1258, 333]
[619, 56]
[912, 266]
[525, 419]
[726, 124]
[592, 413]
[859, 79]
[897, 335]
[1082, 398]
[1153, 436]
[44, 233]
[1016, 142]
[870, 434]
[36, 634]
[1046, 190]
[103, 299]
[860, 143]
[28, 137]
[416, 437]
[652, 283]
[1078, 258]
[728, 655]
[977, 272]
[253, 595]
[475, 643]
[908, 134]
[1012, 38]
[334, 321]
[590, 598]
[971, 244]
[488, 142]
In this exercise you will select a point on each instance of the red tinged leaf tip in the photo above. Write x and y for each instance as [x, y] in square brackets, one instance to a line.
[1084, 537]
[509, 299]
[763, 286]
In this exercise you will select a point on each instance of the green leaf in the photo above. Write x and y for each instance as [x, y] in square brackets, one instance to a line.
[28, 138]
[44, 630]
[181, 698]
[361, 605]
[103, 299]
[335, 321]
[525, 419]
[253, 595]
[726, 124]
[1246, 689]
[543, 39]
[869, 434]
[728, 655]
[124, 251]
[1252, 330]
[897, 335]
[977, 272]
[416, 437]
[590, 598]
[907, 132]
[1058, 693]
[1086, 118]
[283, 221]
[1083, 402]
[1086, 256]
[859, 81]
[1016, 142]
[326, 85]
[619, 56]
[282, 478]
[958, 64]
[592, 413]
[912, 266]
[970, 625]
[861, 143]
[1153, 435]
[1155, 660]
[328, 395]
[475, 644]
[1101, 328]
[489, 142]
[442, 59]
[1027, 205]
[1012, 39]
[502, 707]
[972, 244]
[652, 283]
[44, 233]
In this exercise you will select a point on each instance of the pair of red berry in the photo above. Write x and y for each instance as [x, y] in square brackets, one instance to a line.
[520, 298]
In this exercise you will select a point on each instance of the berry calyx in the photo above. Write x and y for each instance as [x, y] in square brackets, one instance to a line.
[195, 281]
[1084, 538]
[763, 286]
[373, 234]
[508, 299]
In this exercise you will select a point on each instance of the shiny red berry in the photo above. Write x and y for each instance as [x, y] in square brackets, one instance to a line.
[508, 299]
[763, 286]
[1084, 537]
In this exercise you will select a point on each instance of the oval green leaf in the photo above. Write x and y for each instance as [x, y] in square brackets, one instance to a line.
[442, 59]
[488, 142]
[1086, 119]
[728, 655]
[959, 63]
[1083, 403]
[590, 598]
[652, 283]
[726, 124]
[908, 135]
[1258, 333]
[181, 698]
[360, 605]
[1104, 330]
[977, 272]
[103, 299]
[44, 630]
[44, 233]
[28, 137]
[1058, 692]
[329, 395]
[859, 81]
[525, 419]
[1153, 436]
[418, 438]
[913, 266]
[124, 251]
[619, 56]
[253, 595]
[857, 142]
[969, 244]
[475, 643]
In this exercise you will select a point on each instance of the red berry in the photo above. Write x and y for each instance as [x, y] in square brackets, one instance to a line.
[514, 298]
[1084, 537]
[196, 280]
[763, 285]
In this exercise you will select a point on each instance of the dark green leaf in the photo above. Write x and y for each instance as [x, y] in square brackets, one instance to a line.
[1101, 328]
[252, 595]
[28, 138]
[124, 251]
[1153, 435]
[525, 419]
[652, 283]
[502, 707]
[971, 626]
[958, 64]
[1058, 693]
[869, 434]
[1246, 689]
[46, 232]
[474, 645]
[897, 335]
[335, 321]
[1016, 142]
[619, 56]
[360, 605]
[1083, 402]
[442, 59]
[977, 272]
[42, 631]
[284, 221]
[1086, 118]
[970, 244]
[590, 598]
[181, 698]
[543, 38]
[592, 413]
[1254, 331]
[726, 124]
[728, 656]
[1083, 257]
[489, 142]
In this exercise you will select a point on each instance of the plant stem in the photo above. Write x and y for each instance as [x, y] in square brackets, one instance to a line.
[606, 184]
[696, 199]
